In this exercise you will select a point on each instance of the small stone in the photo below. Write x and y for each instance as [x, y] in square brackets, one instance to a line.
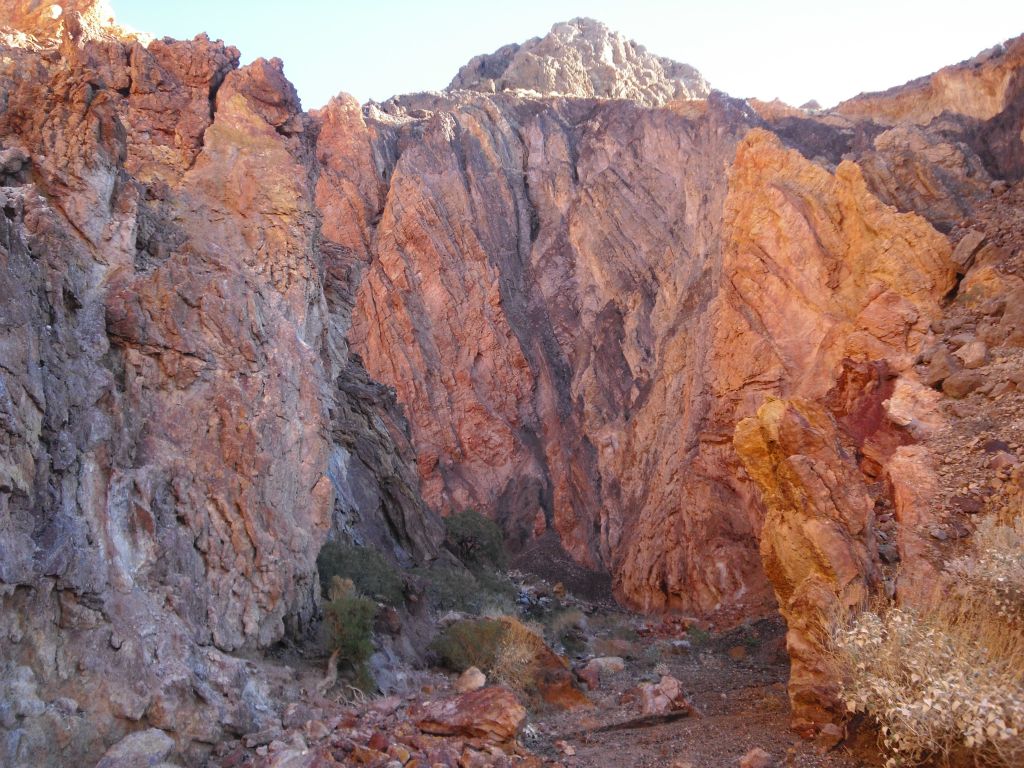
[737, 653]
[609, 664]
[939, 534]
[829, 736]
[400, 752]
[969, 505]
[756, 758]
[663, 697]
[262, 738]
[316, 730]
[565, 748]
[1003, 460]
[973, 354]
[470, 680]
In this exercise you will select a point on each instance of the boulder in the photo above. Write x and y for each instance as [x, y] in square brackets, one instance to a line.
[664, 697]
[143, 749]
[973, 354]
[962, 383]
[963, 254]
[492, 714]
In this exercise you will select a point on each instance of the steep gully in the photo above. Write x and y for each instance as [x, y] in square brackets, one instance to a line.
[570, 304]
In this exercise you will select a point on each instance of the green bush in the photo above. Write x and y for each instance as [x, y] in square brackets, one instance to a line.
[475, 540]
[468, 644]
[451, 588]
[372, 574]
[348, 629]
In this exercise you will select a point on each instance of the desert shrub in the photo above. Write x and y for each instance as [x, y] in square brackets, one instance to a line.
[372, 574]
[451, 588]
[466, 644]
[946, 681]
[505, 649]
[475, 540]
[996, 567]
[516, 661]
[348, 628]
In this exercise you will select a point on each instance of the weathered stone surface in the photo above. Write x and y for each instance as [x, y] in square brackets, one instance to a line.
[663, 697]
[541, 352]
[914, 482]
[583, 58]
[139, 750]
[491, 713]
[816, 540]
[183, 422]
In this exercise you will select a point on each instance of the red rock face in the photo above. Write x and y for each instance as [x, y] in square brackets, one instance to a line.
[574, 345]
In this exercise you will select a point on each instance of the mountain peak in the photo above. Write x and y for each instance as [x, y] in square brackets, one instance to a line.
[583, 58]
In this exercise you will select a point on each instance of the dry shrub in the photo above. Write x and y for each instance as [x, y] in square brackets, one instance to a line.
[503, 647]
[996, 568]
[515, 663]
[946, 682]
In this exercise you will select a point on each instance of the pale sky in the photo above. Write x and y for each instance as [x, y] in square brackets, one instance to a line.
[795, 50]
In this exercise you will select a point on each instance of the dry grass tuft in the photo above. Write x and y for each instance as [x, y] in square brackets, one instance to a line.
[516, 660]
[946, 682]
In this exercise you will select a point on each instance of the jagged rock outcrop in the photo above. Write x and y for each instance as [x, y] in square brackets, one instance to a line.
[583, 58]
[816, 541]
[183, 424]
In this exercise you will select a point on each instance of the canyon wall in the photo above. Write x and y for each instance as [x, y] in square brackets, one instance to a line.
[233, 329]
[183, 423]
[577, 304]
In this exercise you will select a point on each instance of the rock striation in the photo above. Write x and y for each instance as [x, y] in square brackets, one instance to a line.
[694, 338]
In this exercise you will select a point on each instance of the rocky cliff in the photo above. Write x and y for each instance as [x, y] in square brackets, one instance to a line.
[184, 425]
[233, 329]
